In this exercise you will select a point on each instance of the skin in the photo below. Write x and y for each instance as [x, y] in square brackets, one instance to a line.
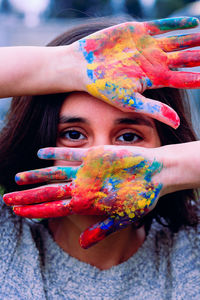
[143, 133]
[110, 180]
[148, 78]
[125, 60]
[119, 246]
[116, 65]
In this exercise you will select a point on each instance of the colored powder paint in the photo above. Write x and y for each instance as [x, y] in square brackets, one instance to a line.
[117, 184]
[44, 210]
[52, 173]
[96, 233]
[118, 70]
[162, 25]
[38, 195]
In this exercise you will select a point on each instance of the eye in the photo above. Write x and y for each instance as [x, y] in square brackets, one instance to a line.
[129, 137]
[73, 135]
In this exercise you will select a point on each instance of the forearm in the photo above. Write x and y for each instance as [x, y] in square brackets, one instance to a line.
[37, 70]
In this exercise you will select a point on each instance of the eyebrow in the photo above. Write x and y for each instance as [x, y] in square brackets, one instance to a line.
[72, 119]
[128, 121]
[134, 121]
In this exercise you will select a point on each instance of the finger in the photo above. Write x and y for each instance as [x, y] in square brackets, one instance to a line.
[99, 231]
[169, 24]
[38, 195]
[152, 108]
[184, 59]
[179, 42]
[182, 80]
[96, 233]
[59, 208]
[46, 174]
[62, 153]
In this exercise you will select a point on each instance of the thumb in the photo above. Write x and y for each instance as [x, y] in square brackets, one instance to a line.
[100, 230]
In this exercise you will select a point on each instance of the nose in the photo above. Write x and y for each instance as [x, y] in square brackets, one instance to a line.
[102, 138]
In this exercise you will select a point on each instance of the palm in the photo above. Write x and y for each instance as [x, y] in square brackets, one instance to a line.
[125, 60]
[115, 183]
[134, 58]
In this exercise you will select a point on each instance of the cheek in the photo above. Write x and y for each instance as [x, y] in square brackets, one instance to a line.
[152, 140]
[156, 141]
[58, 144]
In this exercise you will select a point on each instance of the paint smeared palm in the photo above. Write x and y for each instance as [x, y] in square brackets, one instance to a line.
[125, 60]
[115, 182]
[111, 181]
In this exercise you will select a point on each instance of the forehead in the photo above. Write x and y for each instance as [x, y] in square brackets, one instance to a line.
[81, 104]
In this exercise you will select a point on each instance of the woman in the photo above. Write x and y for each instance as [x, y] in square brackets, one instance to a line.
[145, 265]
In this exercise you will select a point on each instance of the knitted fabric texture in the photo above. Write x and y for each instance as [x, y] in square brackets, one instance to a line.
[33, 266]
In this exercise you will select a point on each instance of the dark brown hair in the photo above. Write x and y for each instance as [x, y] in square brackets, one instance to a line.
[32, 124]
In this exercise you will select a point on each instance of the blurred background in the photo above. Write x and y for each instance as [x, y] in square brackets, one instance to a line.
[36, 22]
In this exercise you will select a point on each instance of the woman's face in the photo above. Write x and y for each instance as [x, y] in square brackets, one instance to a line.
[86, 121]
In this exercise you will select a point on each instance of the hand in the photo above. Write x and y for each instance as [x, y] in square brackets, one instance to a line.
[123, 61]
[112, 181]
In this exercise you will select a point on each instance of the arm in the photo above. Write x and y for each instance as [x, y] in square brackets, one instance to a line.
[124, 183]
[37, 70]
[182, 166]
[116, 65]
[178, 164]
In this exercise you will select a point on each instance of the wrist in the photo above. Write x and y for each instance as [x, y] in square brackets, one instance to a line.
[181, 167]
[39, 70]
[67, 69]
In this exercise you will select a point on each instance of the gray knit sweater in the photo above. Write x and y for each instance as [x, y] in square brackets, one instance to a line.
[33, 266]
